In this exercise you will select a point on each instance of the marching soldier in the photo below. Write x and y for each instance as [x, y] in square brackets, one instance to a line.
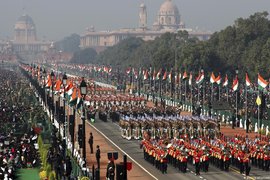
[163, 163]
[266, 160]
[196, 160]
[241, 162]
[184, 162]
[221, 160]
[205, 162]
[246, 164]
[226, 161]
[260, 159]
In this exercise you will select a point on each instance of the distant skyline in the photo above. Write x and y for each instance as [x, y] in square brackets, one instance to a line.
[56, 19]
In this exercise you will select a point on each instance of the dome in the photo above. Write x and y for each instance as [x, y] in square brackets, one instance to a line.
[168, 16]
[142, 5]
[168, 8]
[25, 22]
[26, 19]
[25, 29]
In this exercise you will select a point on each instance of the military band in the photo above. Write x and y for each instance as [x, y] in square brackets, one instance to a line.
[221, 153]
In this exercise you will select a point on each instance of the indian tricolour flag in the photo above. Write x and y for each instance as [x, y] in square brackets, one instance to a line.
[164, 75]
[225, 83]
[177, 77]
[212, 78]
[158, 74]
[154, 74]
[190, 79]
[261, 82]
[79, 100]
[145, 75]
[73, 99]
[235, 84]
[170, 77]
[48, 82]
[248, 83]
[200, 78]
[185, 75]
[218, 79]
[70, 92]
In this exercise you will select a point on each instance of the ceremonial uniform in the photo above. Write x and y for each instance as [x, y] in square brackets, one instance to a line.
[196, 159]
[266, 161]
[226, 160]
[246, 164]
[205, 162]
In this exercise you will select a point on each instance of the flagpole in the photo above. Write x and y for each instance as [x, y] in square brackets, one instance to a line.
[246, 103]
[166, 86]
[236, 72]
[227, 94]
[171, 81]
[153, 89]
[185, 91]
[198, 93]
[175, 87]
[202, 71]
[236, 104]
[160, 88]
[150, 78]
[180, 88]
[212, 85]
[219, 92]
[259, 103]
[259, 123]
[191, 98]
[139, 82]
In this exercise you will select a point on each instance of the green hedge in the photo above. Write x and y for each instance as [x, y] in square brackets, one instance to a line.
[43, 150]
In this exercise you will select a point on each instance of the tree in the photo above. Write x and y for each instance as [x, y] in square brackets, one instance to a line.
[84, 56]
[69, 44]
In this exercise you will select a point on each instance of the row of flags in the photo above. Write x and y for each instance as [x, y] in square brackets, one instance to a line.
[153, 74]
[72, 93]
[262, 83]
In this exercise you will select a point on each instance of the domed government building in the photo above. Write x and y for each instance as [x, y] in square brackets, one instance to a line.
[168, 20]
[25, 38]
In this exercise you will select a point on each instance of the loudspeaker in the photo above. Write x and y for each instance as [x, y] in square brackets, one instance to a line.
[80, 135]
[71, 125]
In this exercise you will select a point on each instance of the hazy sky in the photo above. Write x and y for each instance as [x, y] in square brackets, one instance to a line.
[56, 19]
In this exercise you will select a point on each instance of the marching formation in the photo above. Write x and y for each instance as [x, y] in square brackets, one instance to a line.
[192, 89]
[220, 151]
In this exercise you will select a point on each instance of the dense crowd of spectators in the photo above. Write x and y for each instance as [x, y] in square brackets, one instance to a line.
[18, 141]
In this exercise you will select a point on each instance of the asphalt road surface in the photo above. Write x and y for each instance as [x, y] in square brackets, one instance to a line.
[132, 149]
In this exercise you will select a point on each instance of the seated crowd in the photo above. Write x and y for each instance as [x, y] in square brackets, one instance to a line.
[18, 142]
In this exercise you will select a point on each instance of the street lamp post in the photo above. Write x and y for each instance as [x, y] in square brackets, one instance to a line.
[52, 103]
[203, 86]
[64, 81]
[44, 86]
[258, 102]
[83, 88]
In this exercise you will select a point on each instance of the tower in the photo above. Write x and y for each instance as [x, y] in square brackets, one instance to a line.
[143, 17]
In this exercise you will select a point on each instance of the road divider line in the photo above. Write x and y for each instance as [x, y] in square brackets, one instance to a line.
[122, 150]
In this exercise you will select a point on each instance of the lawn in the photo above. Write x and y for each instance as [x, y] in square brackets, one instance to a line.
[28, 174]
